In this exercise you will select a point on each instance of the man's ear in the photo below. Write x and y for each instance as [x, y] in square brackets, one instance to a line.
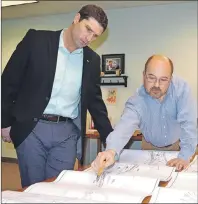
[77, 18]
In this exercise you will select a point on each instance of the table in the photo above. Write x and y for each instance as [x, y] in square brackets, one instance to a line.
[145, 200]
[93, 134]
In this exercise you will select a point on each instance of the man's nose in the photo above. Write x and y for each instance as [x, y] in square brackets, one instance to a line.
[89, 37]
[157, 83]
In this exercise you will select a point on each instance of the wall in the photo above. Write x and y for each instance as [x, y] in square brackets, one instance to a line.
[138, 32]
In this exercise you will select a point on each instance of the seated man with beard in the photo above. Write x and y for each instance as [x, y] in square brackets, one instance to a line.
[164, 112]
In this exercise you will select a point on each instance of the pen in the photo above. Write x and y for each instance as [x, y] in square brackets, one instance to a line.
[100, 170]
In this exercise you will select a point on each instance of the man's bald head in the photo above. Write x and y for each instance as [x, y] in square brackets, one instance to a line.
[157, 75]
[159, 58]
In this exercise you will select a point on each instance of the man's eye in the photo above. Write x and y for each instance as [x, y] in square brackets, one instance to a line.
[164, 80]
[88, 29]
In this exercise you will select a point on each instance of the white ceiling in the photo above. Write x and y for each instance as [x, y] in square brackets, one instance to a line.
[56, 7]
[11, 3]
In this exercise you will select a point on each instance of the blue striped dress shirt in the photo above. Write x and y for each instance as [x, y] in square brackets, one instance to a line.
[161, 123]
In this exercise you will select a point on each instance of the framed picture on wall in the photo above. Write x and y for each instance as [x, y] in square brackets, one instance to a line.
[112, 62]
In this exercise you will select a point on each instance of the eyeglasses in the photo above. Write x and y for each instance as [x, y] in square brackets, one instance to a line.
[153, 79]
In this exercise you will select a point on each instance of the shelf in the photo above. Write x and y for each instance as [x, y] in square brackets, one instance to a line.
[114, 80]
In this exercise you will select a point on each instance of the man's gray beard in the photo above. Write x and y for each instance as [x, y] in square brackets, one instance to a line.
[160, 95]
[155, 96]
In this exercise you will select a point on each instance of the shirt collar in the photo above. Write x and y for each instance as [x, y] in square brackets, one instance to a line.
[61, 44]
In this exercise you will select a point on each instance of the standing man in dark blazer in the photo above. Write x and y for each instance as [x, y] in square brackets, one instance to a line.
[49, 83]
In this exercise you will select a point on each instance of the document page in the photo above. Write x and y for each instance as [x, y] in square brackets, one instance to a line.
[170, 195]
[148, 157]
[163, 173]
[109, 188]
[23, 197]
[183, 181]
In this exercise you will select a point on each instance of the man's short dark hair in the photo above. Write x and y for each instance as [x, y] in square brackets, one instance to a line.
[150, 58]
[95, 12]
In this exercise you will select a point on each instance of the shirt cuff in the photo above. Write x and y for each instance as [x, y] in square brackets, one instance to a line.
[185, 155]
[117, 153]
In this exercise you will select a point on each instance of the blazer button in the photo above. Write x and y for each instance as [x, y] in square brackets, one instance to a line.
[47, 98]
[35, 119]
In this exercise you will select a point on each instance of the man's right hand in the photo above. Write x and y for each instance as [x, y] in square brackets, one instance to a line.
[104, 159]
[5, 134]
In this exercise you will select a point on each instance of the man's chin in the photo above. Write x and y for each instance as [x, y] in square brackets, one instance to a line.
[81, 45]
[156, 96]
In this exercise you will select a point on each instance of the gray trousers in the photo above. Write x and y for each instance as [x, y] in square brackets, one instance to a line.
[50, 148]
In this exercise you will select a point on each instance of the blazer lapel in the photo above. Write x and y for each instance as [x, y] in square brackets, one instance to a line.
[53, 54]
[86, 71]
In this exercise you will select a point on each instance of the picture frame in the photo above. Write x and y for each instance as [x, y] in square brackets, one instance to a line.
[111, 62]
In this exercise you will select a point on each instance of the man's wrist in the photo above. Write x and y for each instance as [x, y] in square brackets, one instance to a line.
[184, 157]
[114, 153]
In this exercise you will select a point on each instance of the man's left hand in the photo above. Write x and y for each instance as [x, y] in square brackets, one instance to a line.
[180, 164]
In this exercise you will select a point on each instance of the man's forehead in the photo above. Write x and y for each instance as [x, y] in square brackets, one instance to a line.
[159, 64]
[94, 25]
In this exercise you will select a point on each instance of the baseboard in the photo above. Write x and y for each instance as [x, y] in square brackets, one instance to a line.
[9, 160]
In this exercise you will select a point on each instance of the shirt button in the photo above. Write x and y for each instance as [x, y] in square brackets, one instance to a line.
[162, 116]
[164, 126]
[165, 136]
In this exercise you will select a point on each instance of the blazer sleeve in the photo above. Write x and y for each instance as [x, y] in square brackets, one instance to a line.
[96, 106]
[12, 79]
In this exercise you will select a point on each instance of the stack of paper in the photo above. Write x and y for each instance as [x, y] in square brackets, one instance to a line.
[163, 173]
[147, 157]
[130, 180]
[82, 186]
[182, 188]
[170, 195]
